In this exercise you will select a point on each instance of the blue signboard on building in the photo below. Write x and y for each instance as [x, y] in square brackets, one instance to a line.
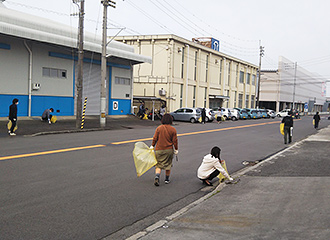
[215, 44]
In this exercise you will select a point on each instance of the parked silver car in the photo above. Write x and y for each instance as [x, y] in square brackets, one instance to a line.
[186, 114]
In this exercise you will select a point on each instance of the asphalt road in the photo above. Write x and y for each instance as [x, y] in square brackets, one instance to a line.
[94, 193]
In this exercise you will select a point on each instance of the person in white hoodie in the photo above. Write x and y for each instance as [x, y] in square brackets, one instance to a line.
[211, 167]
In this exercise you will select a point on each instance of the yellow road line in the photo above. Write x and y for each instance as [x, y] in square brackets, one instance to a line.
[128, 141]
[199, 132]
[49, 152]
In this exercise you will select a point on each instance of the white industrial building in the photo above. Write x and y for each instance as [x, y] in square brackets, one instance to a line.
[38, 66]
[291, 86]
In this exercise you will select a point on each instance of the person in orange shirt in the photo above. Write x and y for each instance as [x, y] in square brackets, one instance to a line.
[165, 139]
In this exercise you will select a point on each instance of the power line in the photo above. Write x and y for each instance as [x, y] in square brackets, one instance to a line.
[231, 36]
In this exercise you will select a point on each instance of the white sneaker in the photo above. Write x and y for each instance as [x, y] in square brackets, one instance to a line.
[12, 134]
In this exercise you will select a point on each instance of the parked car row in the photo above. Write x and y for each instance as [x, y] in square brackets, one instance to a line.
[227, 113]
[193, 114]
[248, 113]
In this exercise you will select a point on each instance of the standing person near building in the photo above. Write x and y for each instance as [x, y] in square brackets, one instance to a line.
[211, 167]
[162, 111]
[316, 119]
[288, 126]
[13, 116]
[142, 110]
[46, 115]
[203, 113]
[165, 139]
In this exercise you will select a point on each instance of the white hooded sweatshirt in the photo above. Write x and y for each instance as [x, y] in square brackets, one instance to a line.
[208, 166]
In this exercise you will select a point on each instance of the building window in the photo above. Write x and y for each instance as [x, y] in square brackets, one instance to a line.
[228, 79]
[181, 94]
[235, 100]
[220, 73]
[247, 101]
[122, 81]
[240, 100]
[195, 70]
[194, 97]
[241, 77]
[253, 80]
[53, 72]
[182, 63]
[236, 80]
[252, 101]
[227, 94]
[205, 97]
[207, 67]
[248, 78]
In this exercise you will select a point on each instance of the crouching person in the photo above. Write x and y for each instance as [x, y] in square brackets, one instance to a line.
[211, 167]
[46, 115]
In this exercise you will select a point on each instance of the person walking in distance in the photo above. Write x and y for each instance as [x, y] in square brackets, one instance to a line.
[162, 111]
[165, 139]
[316, 119]
[203, 113]
[13, 116]
[142, 110]
[288, 127]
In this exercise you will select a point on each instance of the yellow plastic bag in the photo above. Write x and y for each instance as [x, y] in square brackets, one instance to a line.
[145, 116]
[144, 158]
[53, 119]
[200, 119]
[221, 176]
[282, 128]
[313, 122]
[9, 126]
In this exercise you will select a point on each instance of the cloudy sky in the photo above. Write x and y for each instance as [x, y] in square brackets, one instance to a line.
[296, 29]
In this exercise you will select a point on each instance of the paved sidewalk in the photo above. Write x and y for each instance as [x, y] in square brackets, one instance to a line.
[284, 197]
[34, 126]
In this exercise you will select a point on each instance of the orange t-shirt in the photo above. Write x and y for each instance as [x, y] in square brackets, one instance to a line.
[165, 137]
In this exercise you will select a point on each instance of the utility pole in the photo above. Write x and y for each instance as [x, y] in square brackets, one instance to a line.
[79, 82]
[259, 73]
[294, 84]
[103, 104]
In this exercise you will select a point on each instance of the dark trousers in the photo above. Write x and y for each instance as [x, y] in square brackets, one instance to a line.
[203, 119]
[287, 134]
[213, 175]
[46, 119]
[13, 125]
[316, 124]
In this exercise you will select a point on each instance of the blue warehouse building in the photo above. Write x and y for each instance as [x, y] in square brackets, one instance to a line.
[38, 64]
